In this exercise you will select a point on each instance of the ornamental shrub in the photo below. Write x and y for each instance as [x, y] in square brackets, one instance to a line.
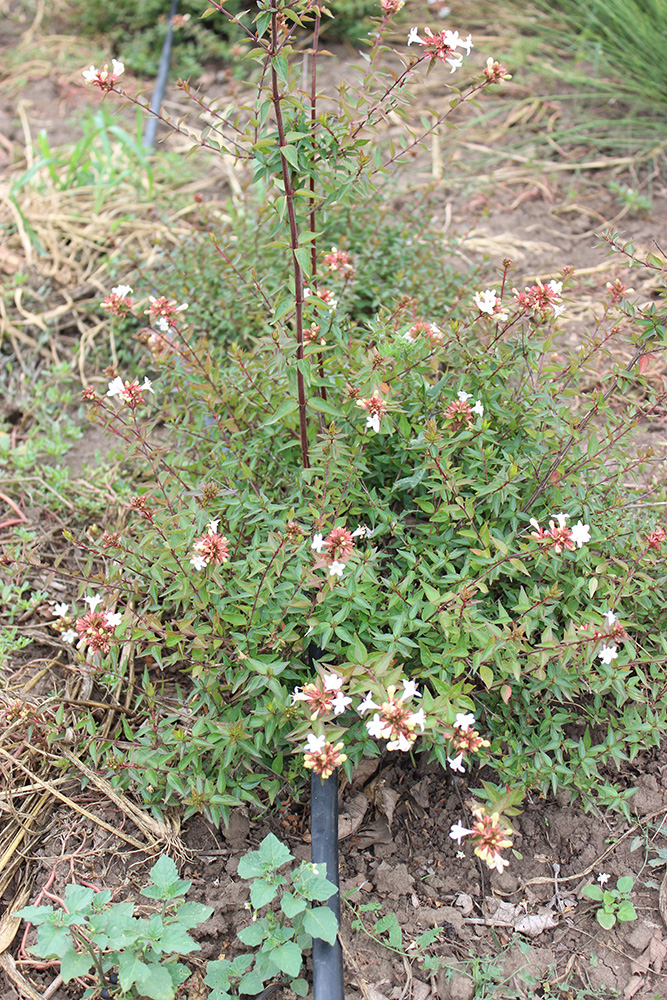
[356, 531]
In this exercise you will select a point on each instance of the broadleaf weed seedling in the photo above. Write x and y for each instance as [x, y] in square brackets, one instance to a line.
[280, 936]
[615, 904]
[132, 956]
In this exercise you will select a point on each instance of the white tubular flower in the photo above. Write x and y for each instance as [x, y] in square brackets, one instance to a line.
[116, 386]
[367, 705]
[336, 568]
[340, 703]
[315, 743]
[464, 720]
[457, 832]
[92, 602]
[413, 37]
[318, 543]
[608, 654]
[376, 727]
[418, 719]
[332, 682]
[60, 610]
[456, 763]
[409, 691]
[581, 533]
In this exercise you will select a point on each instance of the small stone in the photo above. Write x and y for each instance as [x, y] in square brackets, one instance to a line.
[504, 881]
[646, 801]
[420, 991]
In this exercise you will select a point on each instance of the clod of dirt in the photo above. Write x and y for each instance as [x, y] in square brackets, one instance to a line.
[460, 987]
[393, 879]
[647, 799]
[639, 935]
[236, 833]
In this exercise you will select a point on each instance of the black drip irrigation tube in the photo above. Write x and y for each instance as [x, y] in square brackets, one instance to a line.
[328, 983]
[161, 80]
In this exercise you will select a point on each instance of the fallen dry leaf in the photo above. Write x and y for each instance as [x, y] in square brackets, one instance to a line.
[386, 800]
[533, 924]
[351, 819]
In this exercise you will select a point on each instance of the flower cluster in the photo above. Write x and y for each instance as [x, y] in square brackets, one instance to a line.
[163, 313]
[489, 835]
[118, 302]
[439, 7]
[488, 302]
[323, 697]
[337, 547]
[339, 260]
[614, 632]
[442, 46]
[541, 298]
[375, 407]
[495, 72]
[465, 740]
[430, 331]
[618, 290]
[321, 756]
[558, 537]
[130, 393]
[656, 539]
[460, 412]
[394, 719]
[102, 78]
[323, 294]
[95, 628]
[211, 549]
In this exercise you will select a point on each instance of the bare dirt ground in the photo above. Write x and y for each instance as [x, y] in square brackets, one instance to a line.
[526, 933]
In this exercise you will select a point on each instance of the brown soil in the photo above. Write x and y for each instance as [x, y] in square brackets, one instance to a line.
[525, 933]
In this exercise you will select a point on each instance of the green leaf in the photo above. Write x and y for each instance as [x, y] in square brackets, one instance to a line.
[287, 957]
[156, 983]
[605, 919]
[165, 883]
[593, 892]
[286, 407]
[300, 987]
[175, 938]
[130, 969]
[320, 922]
[192, 914]
[625, 883]
[75, 964]
[291, 905]
[324, 406]
[626, 911]
[78, 899]
[254, 933]
[251, 983]
[53, 942]
[291, 155]
[261, 893]
[273, 853]
[389, 924]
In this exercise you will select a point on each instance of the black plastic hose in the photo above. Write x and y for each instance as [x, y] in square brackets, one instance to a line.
[328, 981]
[161, 81]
